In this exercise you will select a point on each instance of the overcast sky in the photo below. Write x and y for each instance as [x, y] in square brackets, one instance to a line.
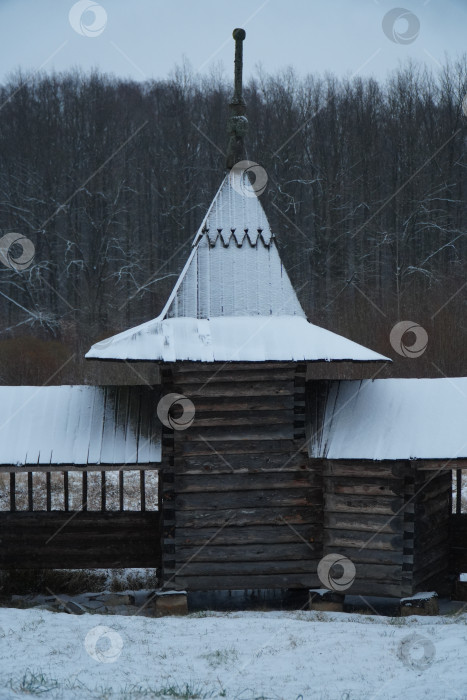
[147, 38]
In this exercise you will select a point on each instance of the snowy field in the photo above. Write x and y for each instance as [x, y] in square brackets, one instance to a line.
[243, 655]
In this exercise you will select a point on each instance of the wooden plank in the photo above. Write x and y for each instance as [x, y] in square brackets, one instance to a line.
[440, 464]
[370, 486]
[254, 462]
[366, 555]
[236, 432]
[363, 504]
[276, 374]
[66, 492]
[293, 581]
[209, 367]
[249, 516]
[121, 489]
[231, 482]
[48, 490]
[15, 469]
[103, 492]
[226, 447]
[365, 470]
[142, 489]
[231, 404]
[236, 389]
[206, 419]
[249, 553]
[250, 568]
[359, 540]
[12, 491]
[249, 499]
[365, 523]
[277, 534]
[30, 492]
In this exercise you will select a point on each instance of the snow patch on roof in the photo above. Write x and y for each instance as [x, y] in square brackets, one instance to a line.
[79, 425]
[231, 339]
[393, 419]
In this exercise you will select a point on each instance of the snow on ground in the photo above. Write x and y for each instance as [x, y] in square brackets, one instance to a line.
[242, 655]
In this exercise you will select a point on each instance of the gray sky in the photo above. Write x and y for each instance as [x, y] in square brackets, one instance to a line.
[146, 38]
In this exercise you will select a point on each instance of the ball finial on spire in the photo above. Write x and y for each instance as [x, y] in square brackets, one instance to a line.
[239, 34]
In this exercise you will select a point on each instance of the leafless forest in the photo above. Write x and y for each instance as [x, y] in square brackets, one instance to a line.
[110, 180]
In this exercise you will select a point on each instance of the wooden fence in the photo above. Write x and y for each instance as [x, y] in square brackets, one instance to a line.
[80, 532]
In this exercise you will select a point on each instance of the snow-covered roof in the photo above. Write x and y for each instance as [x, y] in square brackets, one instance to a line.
[391, 419]
[79, 425]
[233, 300]
[231, 339]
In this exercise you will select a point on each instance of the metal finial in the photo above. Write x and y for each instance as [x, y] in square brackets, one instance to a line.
[238, 124]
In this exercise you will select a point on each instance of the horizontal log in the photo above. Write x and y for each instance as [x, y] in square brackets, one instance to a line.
[250, 499]
[211, 404]
[364, 469]
[252, 553]
[275, 533]
[439, 464]
[219, 388]
[210, 367]
[253, 462]
[249, 516]
[366, 540]
[363, 504]
[231, 482]
[226, 447]
[249, 568]
[278, 581]
[236, 432]
[365, 523]
[366, 555]
[225, 419]
[364, 487]
[276, 374]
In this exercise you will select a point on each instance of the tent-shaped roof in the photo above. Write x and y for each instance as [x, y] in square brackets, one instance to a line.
[79, 425]
[392, 419]
[233, 300]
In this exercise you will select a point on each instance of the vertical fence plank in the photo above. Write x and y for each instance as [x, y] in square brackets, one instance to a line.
[66, 491]
[30, 496]
[103, 494]
[142, 485]
[85, 491]
[12, 491]
[48, 490]
[459, 491]
[120, 488]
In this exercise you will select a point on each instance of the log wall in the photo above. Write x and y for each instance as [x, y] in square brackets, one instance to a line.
[365, 520]
[248, 509]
